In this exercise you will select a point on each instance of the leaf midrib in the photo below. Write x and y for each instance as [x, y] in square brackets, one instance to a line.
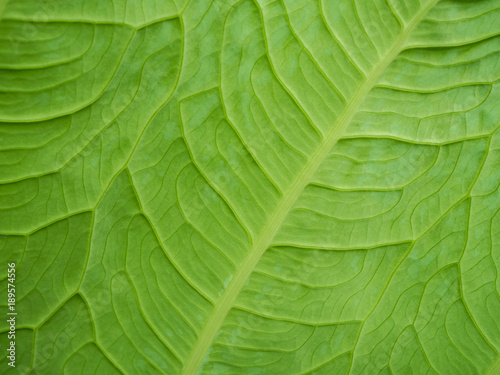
[228, 297]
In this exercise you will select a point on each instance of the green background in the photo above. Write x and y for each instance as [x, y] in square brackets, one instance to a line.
[251, 187]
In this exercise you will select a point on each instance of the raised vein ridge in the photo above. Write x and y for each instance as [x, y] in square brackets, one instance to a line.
[3, 4]
[228, 297]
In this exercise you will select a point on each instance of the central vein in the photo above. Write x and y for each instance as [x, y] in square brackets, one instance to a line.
[228, 297]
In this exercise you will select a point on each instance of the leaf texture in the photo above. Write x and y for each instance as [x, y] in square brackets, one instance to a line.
[251, 187]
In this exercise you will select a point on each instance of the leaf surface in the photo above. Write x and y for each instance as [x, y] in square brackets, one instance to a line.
[252, 187]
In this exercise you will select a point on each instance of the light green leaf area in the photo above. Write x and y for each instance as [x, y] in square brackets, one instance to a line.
[251, 187]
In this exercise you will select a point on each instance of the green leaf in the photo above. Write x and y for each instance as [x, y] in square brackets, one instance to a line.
[251, 187]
